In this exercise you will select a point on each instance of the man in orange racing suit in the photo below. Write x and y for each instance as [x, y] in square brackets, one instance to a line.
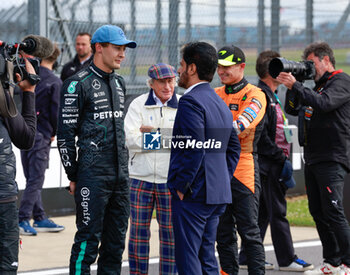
[247, 104]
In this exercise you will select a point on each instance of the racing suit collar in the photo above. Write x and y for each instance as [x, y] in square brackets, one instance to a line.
[235, 88]
[171, 103]
[100, 73]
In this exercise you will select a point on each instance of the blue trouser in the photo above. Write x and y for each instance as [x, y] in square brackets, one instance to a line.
[324, 186]
[34, 162]
[9, 238]
[241, 216]
[195, 227]
[102, 213]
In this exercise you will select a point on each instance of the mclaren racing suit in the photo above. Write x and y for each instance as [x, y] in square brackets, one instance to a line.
[92, 104]
[247, 104]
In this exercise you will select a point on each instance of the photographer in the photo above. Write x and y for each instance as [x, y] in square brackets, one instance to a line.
[20, 130]
[325, 115]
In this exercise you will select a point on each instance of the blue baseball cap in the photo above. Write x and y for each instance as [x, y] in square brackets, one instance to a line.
[111, 34]
[287, 175]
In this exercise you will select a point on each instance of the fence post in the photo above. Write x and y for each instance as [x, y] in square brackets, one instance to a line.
[261, 26]
[133, 37]
[275, 25]
[188, 21]
[173, 32]
[158, 43]
[222, 33]
[37, 17]
[309, 22]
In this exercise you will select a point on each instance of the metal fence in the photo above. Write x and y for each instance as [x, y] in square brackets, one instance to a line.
[161, 26]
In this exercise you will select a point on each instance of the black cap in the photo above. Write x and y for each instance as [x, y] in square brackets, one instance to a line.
[230, 55]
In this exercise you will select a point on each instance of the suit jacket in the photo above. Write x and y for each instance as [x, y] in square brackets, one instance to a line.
[205, 148]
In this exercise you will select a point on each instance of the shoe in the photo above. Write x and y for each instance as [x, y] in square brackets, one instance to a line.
[297, 265]
[223, 272]
[345, 270]
[268, 266]
[26, 229]
[324, 268]
[47, 225]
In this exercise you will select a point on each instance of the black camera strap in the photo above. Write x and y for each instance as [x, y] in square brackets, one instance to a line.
[7, 104]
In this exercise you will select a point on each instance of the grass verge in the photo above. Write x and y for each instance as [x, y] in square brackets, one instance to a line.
[298, 212]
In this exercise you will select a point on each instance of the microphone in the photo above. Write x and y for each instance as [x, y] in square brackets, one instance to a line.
[36, 45]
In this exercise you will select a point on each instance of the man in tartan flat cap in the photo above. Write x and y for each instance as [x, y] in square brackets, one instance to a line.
[151, 115]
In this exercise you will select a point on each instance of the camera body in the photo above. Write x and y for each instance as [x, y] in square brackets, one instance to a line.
[20, 68]
[7, 53]
[302, 70]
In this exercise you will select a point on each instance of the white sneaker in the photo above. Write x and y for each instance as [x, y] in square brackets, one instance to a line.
[324, 268]
[345, 270]
[297, 265]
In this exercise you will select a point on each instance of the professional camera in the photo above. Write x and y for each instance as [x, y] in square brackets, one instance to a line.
[302, 70]
[11, 63]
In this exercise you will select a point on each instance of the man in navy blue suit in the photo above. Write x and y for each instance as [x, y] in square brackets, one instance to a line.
[205, 151]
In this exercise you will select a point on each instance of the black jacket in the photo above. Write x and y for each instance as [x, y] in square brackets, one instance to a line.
[326, 127]
[21, 131]
[74, 66]
[268, 150]
[92, 109]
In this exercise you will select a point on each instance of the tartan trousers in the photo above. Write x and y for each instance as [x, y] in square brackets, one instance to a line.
[143, 197]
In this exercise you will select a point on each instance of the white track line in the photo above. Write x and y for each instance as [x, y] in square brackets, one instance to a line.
[58, 271]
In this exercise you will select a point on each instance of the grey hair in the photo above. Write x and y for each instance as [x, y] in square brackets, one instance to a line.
[150, 81]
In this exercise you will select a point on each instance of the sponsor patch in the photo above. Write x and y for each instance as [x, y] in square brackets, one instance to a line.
[101, 100]
[70, 121]
[108, 114]
[251, 112]
[71, 87]
[98, 94]
[96, 84]
[82, 74]
[70, 95]
[240, 126]
[247, 116]
[245, 121]
[233, 107]
[257, 102]
[69, 109]
[69, 101]
[101, 107]
[255, 107]
[70, 115]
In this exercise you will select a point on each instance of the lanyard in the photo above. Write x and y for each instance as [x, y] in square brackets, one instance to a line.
[285, 120]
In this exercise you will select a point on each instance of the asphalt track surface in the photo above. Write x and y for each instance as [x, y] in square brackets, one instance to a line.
[310, 251]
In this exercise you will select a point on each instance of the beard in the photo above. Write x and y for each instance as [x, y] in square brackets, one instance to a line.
[183, 80]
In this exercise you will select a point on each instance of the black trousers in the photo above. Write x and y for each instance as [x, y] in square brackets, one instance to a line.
[103, 208]
[9, 238]
[324, 186]
[241, 216]
[273, 211]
